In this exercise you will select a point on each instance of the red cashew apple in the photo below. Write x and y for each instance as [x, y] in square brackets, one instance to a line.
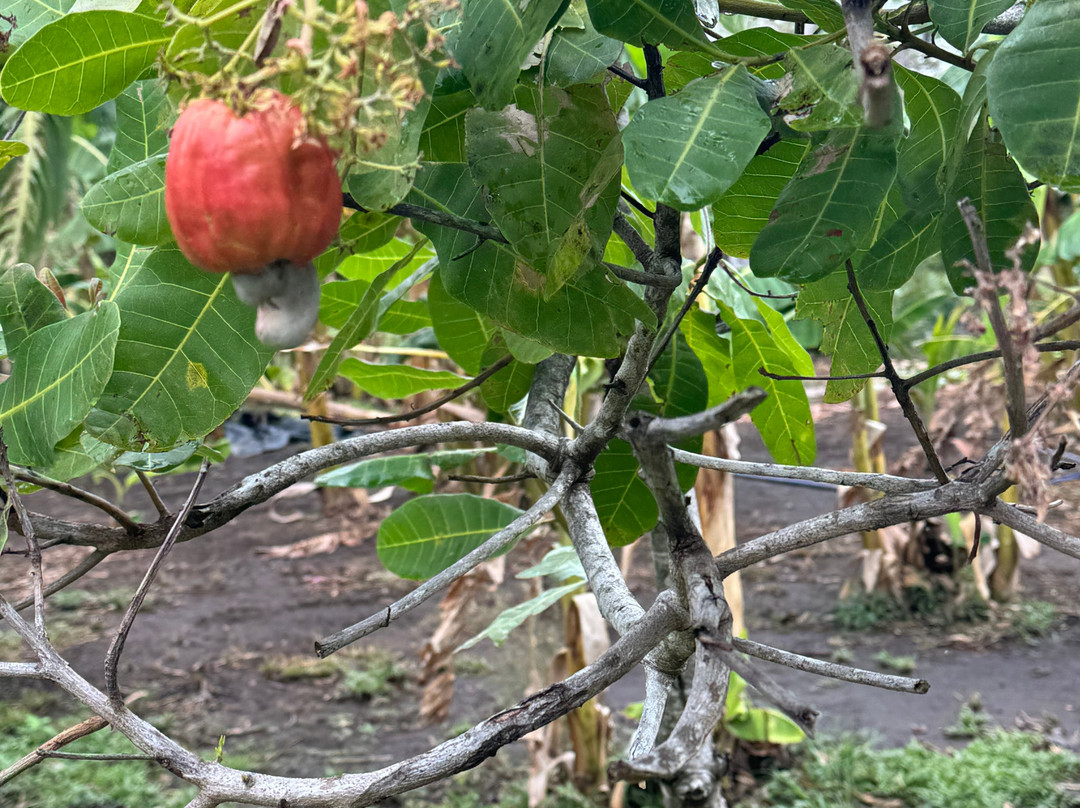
[254, 195]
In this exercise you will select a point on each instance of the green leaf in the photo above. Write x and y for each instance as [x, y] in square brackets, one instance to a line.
[397, 381]
[143, 114]
[821, 90]
[783, 418]
[961, 22]
[990, 179]
[58, 372]
[80, 61]
[714, 353]
[428, 534]
[525, 350]
[589, 315]
[825, 14]
[847, 338]
[892, 259]
[933, 108]
[186, 358]
[31, 16]
[365, 231]
[743, 211]
[10, 149]
[761, 42]
[371, 264]
[561, 563]
[415, 472]
[383, 177]
[827, 211]
[78, 454]
[362, 321]
[188, 49]
[443, 137]
[509, 385]
[687, 149]
[625, 505]
[550, 176]
[511, 618]
[494, 39]
[784, 339]
[1033, 85]
[649, 22]
[26, 305]
[460, 330]
[577, 54]
[130, 203]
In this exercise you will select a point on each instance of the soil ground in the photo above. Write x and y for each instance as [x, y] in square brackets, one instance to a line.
[224, 612]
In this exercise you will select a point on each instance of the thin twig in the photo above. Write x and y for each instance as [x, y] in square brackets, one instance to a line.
[116, 648]
[886, 483]
[15, 126]
[152, 492]
[845, 673]
[486, 232]
[775, 693]
[479, 478]
[68, 490]
[48, 749]
[89, 561]
[644, 278]
[698, 287]
[636, 203]
[731, 273]
[781, 377]
[1015, 395]
[96, 756]
[493, 545]
[626, 76]
[457, 392]
[903, 396]
[982, 356]
[26, 527]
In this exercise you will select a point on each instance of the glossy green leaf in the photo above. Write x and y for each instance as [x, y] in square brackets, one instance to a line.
[365, 231]
[58, 372]
[1033, 86]
[415, 472]
[577, 54]
[461, 331]
[827, 211]
[714, 353]
[511, 618]
[784, 339]
[31, 15]
[359, 325]
[80, 61]
[372, 263]
[892, 259]
[509, 385]
[10, 149]
[493, 40]
[78, 454]
[550, 177]
[989, 177]
[26, 305]
[143, 115]
[443, 137]
[783, 418]
[933, 108]
[820, 91]
[762, 42]
[825, 14]
[384, 176]
[130, 203]
[961, 22]
[590, 314]
[625, 505]
[649, 22]
[184, 361]
[428, 534]
[686, 150]
[743, 211]
[405, 317]
[847, 337]
[397, 381]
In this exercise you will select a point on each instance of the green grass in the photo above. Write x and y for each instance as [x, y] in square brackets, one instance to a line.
[1002, 768]
[77, 783]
